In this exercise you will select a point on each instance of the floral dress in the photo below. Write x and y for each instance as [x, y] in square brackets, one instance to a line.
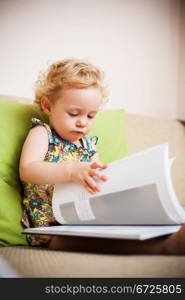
[37, 200]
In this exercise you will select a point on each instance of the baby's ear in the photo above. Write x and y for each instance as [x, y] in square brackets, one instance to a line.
[46, 105]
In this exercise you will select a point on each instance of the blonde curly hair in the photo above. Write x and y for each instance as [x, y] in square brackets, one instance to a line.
[69, 73]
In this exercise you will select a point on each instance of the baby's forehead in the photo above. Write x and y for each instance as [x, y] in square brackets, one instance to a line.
[82, 107]
[80, 98]
[80, 92]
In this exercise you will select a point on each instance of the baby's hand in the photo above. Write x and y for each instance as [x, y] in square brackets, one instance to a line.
[85, 173]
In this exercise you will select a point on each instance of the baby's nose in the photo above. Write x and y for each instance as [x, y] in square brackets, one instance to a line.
[81, 122]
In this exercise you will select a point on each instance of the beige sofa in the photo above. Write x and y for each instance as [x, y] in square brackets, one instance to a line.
[142, 132]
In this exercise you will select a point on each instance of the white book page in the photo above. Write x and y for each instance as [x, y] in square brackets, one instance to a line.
[139, 191]
[171, 161]
[139, 205]
[120, 232]
[167, 193]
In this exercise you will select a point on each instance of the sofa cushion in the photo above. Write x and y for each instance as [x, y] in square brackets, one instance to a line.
[14, 126]
[143, 132]
[39, 263]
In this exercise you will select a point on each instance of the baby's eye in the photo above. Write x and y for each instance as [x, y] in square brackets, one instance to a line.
[91, 116]
[72, 114]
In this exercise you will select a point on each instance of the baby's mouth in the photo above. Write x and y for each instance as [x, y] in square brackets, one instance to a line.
[79, 132]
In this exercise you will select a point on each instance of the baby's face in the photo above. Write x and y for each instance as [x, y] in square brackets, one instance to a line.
[73, 113]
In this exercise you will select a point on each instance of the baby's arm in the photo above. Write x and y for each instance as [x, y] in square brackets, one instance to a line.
[34, 169]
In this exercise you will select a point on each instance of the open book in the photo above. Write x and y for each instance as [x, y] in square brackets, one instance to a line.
[137, 202]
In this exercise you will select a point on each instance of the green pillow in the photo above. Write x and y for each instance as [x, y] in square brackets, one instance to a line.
[14, 126]
[109, 126]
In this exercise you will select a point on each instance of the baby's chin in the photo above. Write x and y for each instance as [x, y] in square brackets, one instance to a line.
[75, 137]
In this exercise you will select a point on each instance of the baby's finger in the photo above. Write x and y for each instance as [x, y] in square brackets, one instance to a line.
[92, 184]
[102, 177]
[86, 186]
[97, 174]
[104, 166]
[96, 165]
[93, 172]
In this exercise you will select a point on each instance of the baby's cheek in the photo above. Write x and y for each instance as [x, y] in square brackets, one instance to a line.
[91, 123]
[66, 121]
[70, 123]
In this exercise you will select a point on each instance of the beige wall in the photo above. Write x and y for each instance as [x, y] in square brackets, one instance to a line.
[136, 42]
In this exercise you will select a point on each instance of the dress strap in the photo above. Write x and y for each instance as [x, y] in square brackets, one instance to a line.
[36, 122]
[93, 142]
[90, 143]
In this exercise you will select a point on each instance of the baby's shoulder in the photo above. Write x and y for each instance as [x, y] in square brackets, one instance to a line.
[38, 127]
[38, 130]
[37, 135]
